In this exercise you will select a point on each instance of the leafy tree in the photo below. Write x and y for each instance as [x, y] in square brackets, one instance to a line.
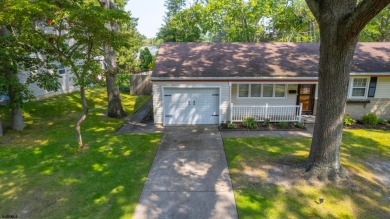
[241, 21]
[184, 26]
[115, 108]
[145, 59]
[79, 36]
[127, 55]
[152, 42]
[173, 7]
[340, 23]
[21, 51]
[378, 29]
[293, 22]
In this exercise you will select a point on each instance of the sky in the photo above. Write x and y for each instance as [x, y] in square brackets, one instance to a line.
[150, 15]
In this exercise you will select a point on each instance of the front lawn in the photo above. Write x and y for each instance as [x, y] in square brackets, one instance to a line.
[41, 177]
[266, 185]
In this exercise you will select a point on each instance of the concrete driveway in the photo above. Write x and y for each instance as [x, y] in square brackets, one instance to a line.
[189, 177]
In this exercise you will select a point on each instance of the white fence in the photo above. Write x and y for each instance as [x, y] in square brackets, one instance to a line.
[262, 113]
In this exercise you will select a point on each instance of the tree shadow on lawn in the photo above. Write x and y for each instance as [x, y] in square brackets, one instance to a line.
[40, 177]
[47, 181]
[61, 107]
[268, 184]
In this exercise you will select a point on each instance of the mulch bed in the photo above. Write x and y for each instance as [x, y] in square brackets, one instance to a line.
[261, 127]
[360, 125]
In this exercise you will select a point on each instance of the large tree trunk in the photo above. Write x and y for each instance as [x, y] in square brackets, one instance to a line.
[334, 68]
[1, 129]
[115, 109]
[17, 122]
[16, 101]
[336, 55]
[340, 23]
[14, 92]
[82, 118]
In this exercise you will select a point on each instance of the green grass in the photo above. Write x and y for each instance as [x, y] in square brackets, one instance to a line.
[41, 177]
[265, 188]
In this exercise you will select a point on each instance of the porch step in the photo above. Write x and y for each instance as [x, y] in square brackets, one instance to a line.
[308, 119]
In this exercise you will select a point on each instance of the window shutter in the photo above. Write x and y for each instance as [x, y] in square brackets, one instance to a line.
[372, 88]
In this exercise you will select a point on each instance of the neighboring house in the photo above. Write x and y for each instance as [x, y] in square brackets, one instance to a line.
[67, 83]
[213, 83]
[67, 77]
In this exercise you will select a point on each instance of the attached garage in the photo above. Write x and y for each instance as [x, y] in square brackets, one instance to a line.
[191, 106]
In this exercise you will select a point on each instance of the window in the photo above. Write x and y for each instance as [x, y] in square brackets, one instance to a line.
[61, 71]
[255, 90]
[280, 90]
[243, 90]
[268, 90]
[358, 87]
[262, 90]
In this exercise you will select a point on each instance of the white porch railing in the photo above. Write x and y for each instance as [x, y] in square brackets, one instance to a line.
[262, 113]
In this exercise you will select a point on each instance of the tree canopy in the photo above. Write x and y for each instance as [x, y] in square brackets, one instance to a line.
[252, 21]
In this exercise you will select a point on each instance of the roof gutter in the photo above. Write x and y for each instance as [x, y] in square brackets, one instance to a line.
[229, 78]
[315, 78]
[371, 73]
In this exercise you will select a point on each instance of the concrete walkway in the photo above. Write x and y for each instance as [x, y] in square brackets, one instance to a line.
[278, 134]
[135, 125]
[189, 177]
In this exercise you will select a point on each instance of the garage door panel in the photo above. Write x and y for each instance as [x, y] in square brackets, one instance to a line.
[191, 106]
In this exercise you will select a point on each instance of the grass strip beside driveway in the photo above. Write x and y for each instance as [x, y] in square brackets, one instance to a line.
[267, 185]
[41, 177]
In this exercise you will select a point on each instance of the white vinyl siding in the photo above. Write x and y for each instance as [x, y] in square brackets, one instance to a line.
[66, 81]
[383, 87]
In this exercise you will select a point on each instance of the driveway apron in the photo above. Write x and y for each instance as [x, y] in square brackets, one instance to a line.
[189, 177]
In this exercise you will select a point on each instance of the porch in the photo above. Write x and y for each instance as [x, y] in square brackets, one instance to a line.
[272, 101]
[266, 112]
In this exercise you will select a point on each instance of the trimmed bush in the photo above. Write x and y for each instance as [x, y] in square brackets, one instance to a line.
[382, 121]
[348, 120]
[250, 123]
[282, 124]
[266, 123]
[370, 119]
[230, 125]
[300, 125]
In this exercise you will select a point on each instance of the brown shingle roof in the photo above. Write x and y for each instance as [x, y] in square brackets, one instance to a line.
[258, 59]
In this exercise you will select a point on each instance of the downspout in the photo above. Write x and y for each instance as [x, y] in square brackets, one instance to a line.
[230, 101]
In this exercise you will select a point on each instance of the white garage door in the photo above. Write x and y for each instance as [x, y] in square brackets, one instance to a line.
[190, 106]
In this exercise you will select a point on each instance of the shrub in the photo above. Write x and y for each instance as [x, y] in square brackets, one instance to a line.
[266, 123]
[370, 119]
[230, 125]
[250, 123]
[348, 120]
[282, 124]
[300, 125]
[382, 121]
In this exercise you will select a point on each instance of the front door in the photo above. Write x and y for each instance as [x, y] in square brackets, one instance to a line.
[306, 97]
